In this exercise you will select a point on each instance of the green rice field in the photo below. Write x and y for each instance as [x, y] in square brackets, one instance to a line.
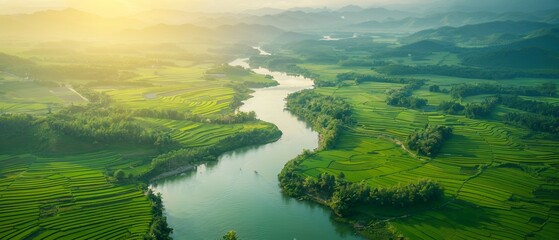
[499, 184]
[68, 191]
[68, 197]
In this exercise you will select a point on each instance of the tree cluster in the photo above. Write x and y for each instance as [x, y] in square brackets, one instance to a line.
[326, 113]
[480, 110]
[402, 97]
[343, 196]
[428, 141]
[229, 70]
[360, 78]
[158, 229]
[470, 110]
[537, 107]
[451, 107]
[435, 88]
[93, 96]
[464, 72]
[535, 122]
[105, 125]
[231, 118]
[461, 91]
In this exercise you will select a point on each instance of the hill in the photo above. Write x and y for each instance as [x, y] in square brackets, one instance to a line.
[491, 33]
[197, 34]
[448, 19]
[62, 24]
[540, 52]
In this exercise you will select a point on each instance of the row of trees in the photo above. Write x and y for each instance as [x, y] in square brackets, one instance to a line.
[344, 196]
[326, 113]
[537, 107]
[158, 229]
[463, 72]
[231, 118]
[461, 91]
[535, 122]
[428, 141]
[360, 78]
[540, 116]
[229, 70]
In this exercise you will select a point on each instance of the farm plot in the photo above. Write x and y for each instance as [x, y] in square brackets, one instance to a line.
[68, 197]
[499, 183]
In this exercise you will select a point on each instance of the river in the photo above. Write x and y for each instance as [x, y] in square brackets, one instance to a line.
[240, 191]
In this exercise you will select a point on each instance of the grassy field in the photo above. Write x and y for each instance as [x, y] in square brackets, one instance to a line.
[499, 183]
[20, 96]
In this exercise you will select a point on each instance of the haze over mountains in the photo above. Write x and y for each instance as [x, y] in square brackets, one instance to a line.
[247, 26]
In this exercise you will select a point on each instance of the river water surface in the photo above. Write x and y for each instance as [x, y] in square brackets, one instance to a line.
[240, 191]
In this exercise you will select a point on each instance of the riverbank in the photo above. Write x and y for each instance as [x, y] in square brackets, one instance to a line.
[227, 194]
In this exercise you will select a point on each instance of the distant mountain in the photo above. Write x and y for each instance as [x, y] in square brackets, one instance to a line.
[526, 58]
[247, 32]
[540, 52]
[450, 19]
[62, 24]
[164, 16]
[350, 8]
[543, 32]
[309, 9]
[303, 19]
[253, 33]
[491, 33]
[549, 42]
[553, 18]
[167, 33]
[263, 11]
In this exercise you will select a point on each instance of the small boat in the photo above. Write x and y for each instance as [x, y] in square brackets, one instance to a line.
[255, 172]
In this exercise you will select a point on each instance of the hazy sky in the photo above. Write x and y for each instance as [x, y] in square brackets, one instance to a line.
[112, 7]
[122, 7]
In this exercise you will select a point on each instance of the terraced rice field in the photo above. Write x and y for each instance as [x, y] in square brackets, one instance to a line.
[498, 183]
[68, 197]
[200, 99]
[194, 134]
[182, 89]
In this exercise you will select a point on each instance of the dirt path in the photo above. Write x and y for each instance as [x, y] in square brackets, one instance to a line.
[402, 145]
[76, 92]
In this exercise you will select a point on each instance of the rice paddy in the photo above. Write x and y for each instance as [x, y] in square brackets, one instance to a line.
[499, 183]
[68, 197]
[70, 193]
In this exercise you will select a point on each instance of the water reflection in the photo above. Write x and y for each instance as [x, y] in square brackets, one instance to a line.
[240, 191]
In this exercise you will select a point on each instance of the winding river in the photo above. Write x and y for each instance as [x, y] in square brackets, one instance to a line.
[240, 191]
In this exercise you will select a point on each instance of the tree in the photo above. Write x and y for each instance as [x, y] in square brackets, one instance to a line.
[231, 235]
[548, 89]
[119, 175]
[434, 88]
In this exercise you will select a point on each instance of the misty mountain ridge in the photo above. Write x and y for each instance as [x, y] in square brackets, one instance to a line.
[63, 24]
[491, 33]
[450, 19]
[73, 24]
